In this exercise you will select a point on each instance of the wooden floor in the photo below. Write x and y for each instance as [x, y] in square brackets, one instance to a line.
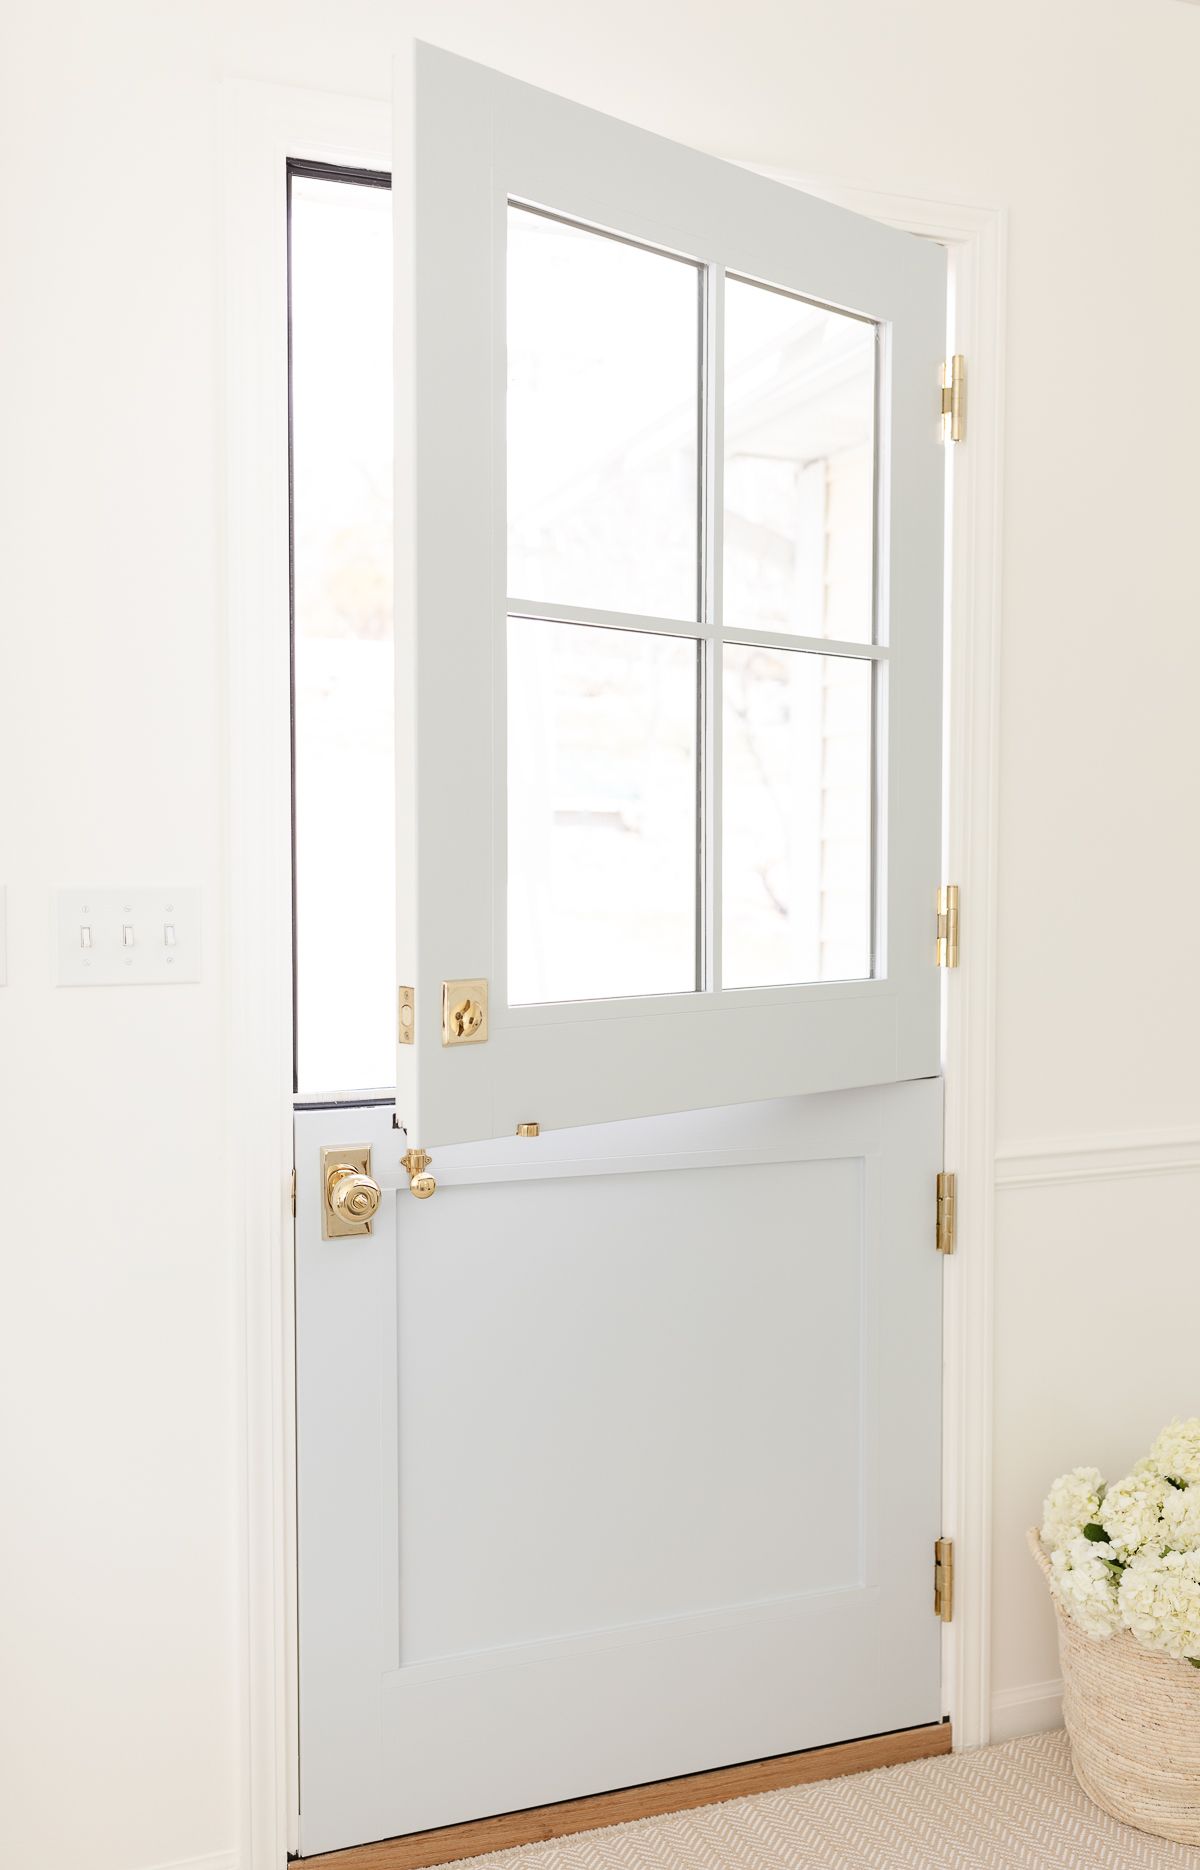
[451, 1842]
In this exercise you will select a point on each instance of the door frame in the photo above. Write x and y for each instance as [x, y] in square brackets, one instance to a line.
[262, 126]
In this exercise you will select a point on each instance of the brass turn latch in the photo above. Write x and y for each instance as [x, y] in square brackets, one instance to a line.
[464, 1012]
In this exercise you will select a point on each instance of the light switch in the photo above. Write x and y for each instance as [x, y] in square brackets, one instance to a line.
[127, 937]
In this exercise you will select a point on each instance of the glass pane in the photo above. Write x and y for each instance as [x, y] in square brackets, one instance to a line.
[341, 364]
[799, 466]
[603, 421]
[602, 812]
[796, 817]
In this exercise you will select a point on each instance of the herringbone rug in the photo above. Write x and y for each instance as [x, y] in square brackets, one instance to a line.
[1011, 1807]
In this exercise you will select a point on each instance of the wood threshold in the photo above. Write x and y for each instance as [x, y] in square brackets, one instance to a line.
[450, 1843]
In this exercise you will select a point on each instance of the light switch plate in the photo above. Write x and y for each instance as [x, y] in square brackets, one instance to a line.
[127, 937]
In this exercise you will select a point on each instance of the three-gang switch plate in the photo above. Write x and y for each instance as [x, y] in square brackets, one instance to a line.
[119, 938]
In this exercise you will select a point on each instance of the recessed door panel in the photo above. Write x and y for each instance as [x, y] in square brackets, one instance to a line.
[616, 1394]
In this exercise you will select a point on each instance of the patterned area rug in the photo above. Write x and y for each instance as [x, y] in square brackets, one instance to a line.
[1011, 1807]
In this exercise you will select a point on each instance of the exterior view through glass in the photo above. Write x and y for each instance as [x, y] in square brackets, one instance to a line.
[340, 359]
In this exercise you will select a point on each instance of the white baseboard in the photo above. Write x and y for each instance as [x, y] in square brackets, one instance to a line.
[1033, 1708]
[214, 1860]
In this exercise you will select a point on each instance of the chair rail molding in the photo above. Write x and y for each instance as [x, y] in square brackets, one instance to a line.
[1101, 1158]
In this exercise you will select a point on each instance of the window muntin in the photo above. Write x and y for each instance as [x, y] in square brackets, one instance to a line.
[784, 562]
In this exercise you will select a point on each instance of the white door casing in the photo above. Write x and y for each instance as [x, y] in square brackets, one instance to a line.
[468, 142]
[618, 1465]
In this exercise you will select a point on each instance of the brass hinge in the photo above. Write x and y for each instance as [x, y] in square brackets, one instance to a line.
[954, 399]
[947, 1217]
[293, 1194]
[947, 925]
[943, 1579]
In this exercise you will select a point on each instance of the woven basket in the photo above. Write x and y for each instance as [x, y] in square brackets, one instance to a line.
[1133, 1719]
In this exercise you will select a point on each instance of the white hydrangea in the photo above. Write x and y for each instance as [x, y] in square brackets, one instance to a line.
[1181, 1517]
[1177, 1451]
[1159, 1599]
[1081, 1579]
[1132, 1511]
[1071, 1504]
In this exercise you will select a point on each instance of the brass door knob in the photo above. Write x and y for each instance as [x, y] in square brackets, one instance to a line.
[352, 1196]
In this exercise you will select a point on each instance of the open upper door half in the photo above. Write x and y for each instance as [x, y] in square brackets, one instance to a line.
[669, 608]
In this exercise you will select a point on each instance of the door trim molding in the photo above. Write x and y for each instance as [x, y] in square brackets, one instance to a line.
[263, 124]
[535, 1825]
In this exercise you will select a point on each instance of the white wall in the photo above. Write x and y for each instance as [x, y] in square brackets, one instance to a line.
[117, 1563]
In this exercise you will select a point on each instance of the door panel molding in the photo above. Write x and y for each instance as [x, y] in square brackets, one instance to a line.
[263, 124]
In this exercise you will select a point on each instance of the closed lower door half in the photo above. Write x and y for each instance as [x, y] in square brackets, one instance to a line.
[617, 1460]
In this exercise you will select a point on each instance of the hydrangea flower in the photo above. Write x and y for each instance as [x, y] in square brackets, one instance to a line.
[1071, 1504]
[1128, 1557]
[1132, 1510]
[1176, 1453]
[1159, 1599]
[1181, 1517]
[1082, 1575]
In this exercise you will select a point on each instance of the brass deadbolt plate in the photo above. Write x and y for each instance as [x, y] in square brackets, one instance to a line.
[464, 1012]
